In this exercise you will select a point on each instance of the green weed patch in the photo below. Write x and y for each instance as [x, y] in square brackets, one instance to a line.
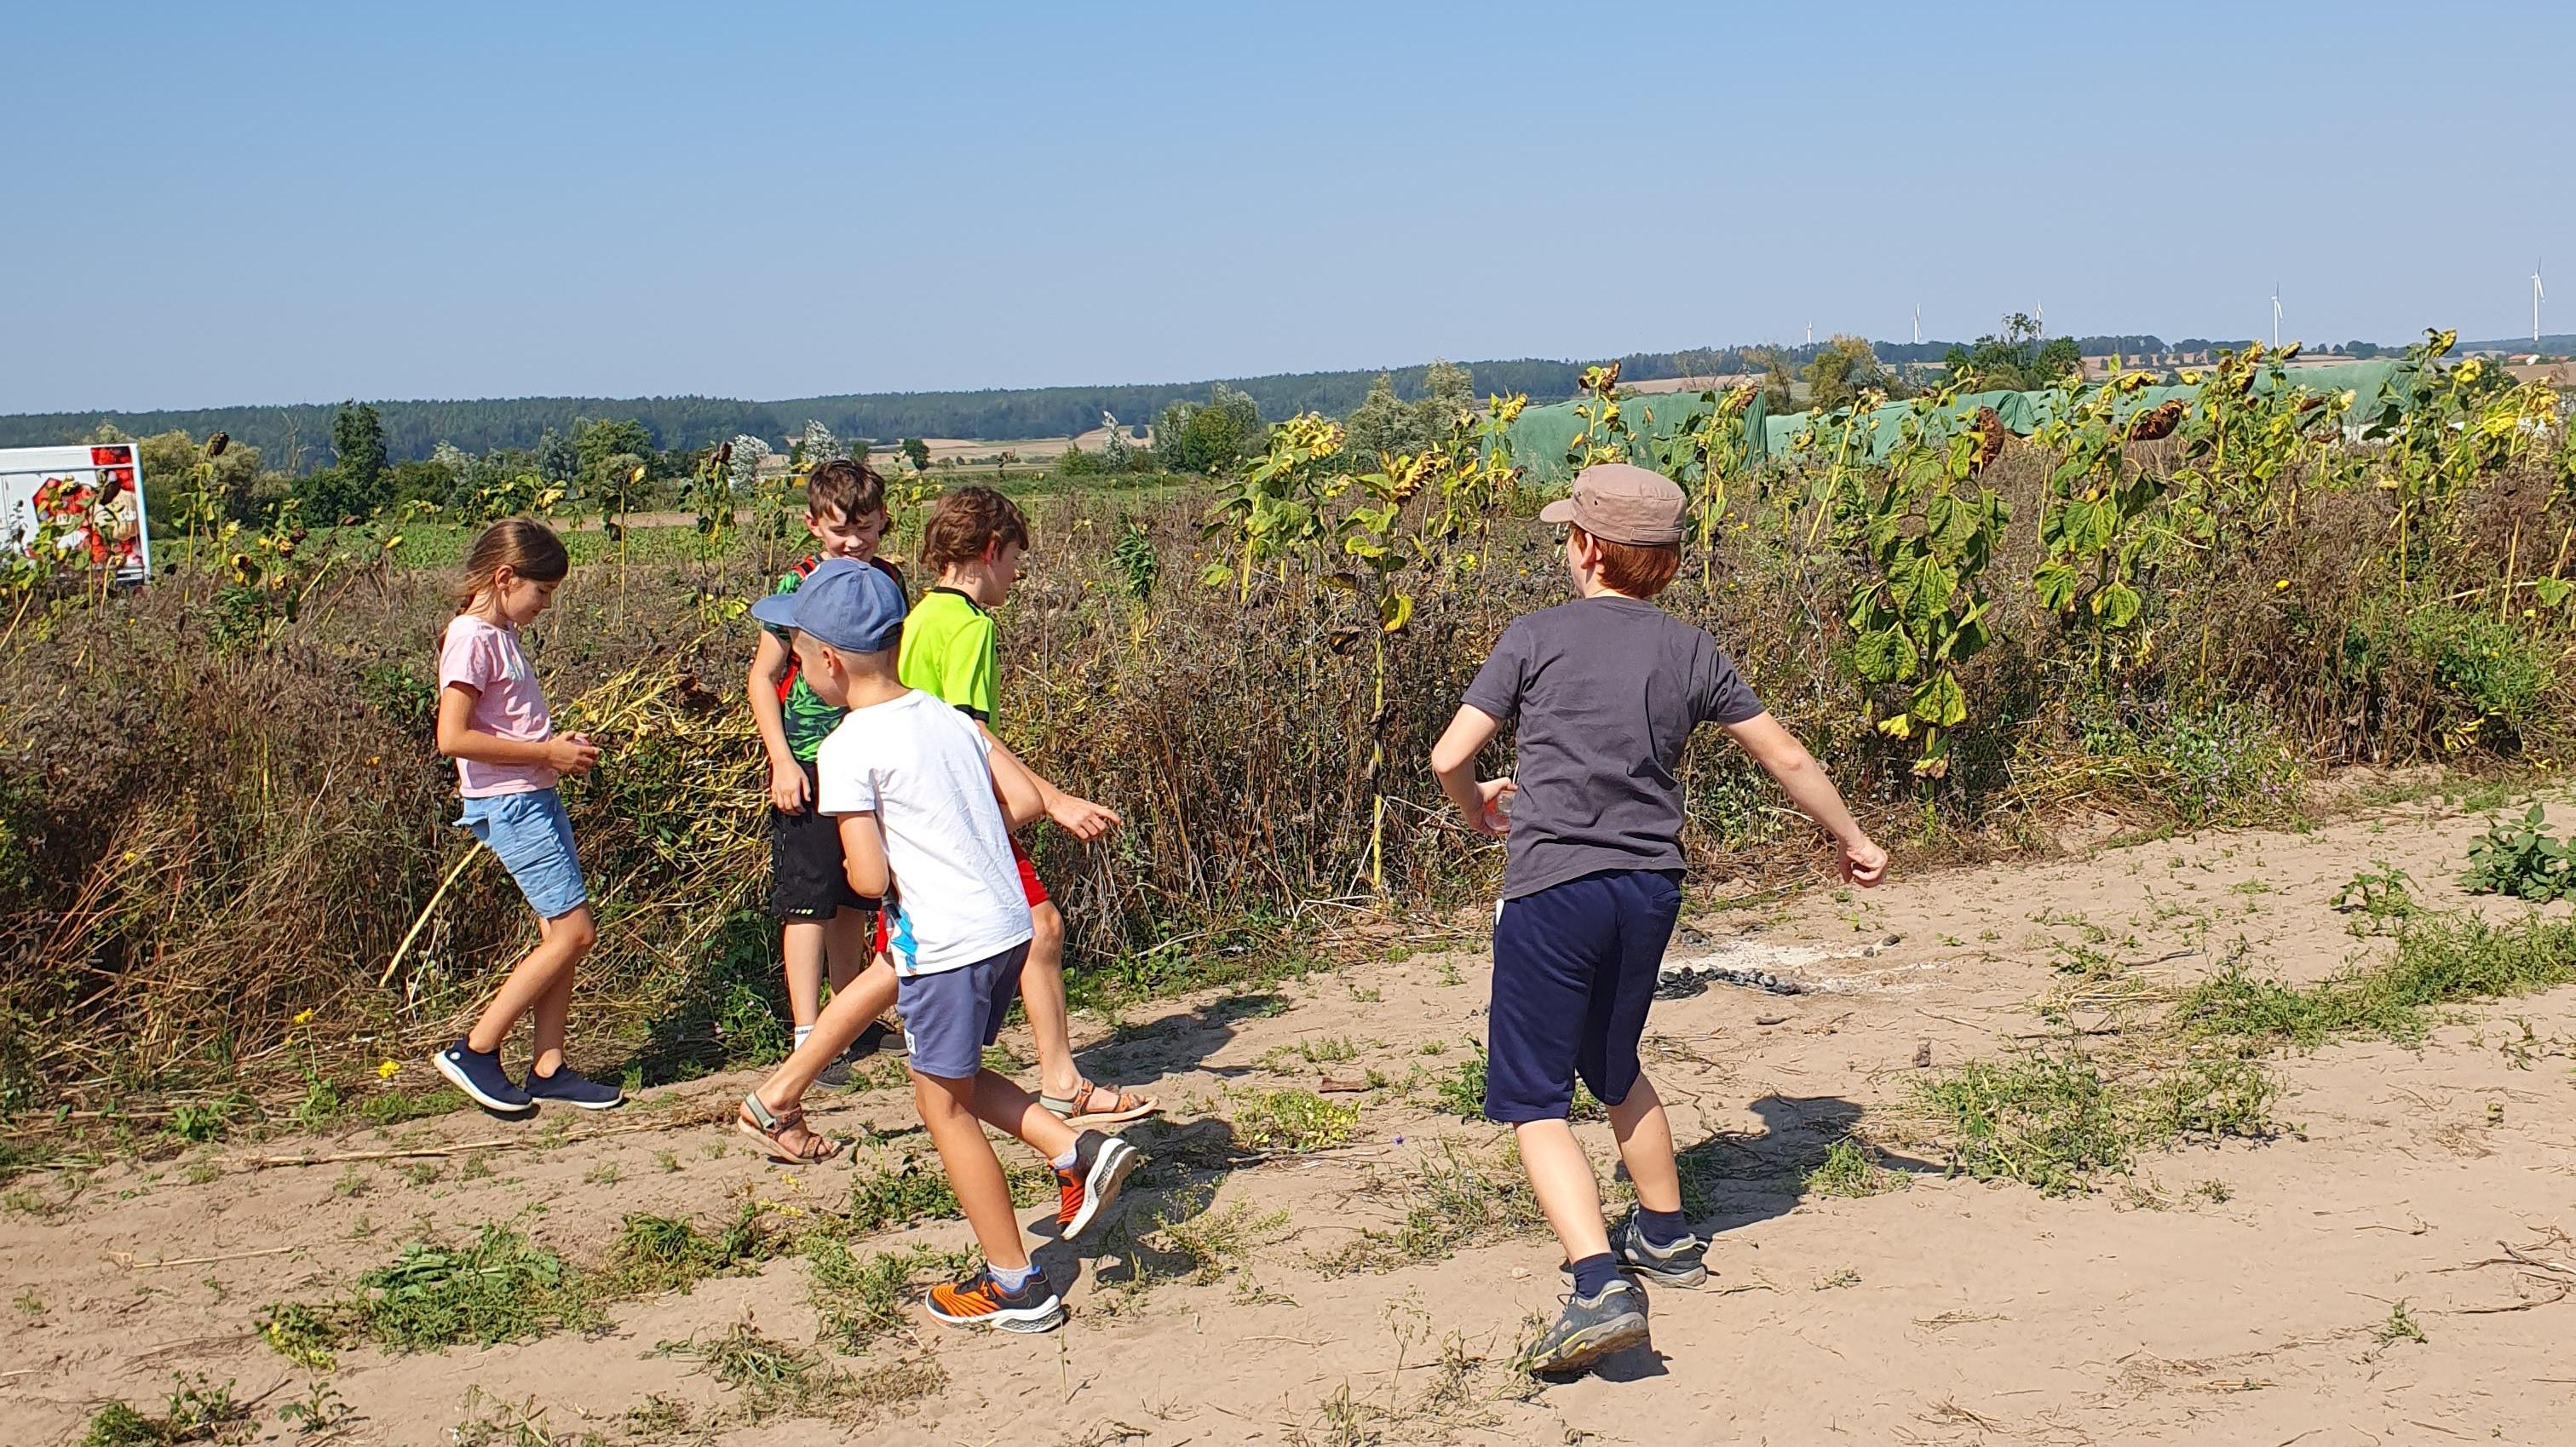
[195, 1412]
[1456, 1199]
[2056, 1123]
[1293, 1120]
[2440, 959]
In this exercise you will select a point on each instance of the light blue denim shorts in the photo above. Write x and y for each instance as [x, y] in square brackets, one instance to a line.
[532, 835]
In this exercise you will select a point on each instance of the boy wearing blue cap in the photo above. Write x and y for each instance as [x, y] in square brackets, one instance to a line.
[925, 805]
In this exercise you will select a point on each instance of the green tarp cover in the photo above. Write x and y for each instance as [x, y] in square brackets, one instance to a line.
[1541, 435]
[2024, 412]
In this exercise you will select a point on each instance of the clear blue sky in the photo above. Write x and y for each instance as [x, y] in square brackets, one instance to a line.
[263, 202]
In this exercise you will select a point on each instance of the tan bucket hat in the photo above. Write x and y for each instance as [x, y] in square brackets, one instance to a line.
[1621, 502]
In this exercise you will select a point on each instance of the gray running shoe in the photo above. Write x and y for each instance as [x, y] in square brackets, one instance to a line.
[837, 1074]
[1684, 1263]
[1588, 1329]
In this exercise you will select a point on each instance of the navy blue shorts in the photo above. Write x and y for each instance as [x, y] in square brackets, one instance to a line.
[949, 1017]
[1574, 970]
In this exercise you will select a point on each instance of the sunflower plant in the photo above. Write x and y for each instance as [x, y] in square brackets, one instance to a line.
[2100, 528]
[1926, 531]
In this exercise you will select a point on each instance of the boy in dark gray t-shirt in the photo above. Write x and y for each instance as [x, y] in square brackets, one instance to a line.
[1606, 690]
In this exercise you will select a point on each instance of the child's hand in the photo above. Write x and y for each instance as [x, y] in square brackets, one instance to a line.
[1863, 862]
[571, 754]
[1495, 796]
[1081, 818]
[787, 786]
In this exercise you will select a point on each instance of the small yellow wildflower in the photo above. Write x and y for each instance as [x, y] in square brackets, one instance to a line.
[2280, 585]
[385, 1070]
[304, 1018]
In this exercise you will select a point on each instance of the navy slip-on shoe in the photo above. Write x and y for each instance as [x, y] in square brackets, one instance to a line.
[570, 1087]
[479, 1074]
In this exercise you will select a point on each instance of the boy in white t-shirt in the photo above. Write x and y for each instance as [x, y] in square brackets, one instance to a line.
[922, 801]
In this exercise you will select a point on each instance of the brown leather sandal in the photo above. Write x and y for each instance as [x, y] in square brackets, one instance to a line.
[770, 1129]
[1092, 1105]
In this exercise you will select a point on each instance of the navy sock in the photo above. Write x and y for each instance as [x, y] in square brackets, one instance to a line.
[1592, 1274]
[1662, 1228]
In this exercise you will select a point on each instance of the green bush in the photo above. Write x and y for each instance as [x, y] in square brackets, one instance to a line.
[2523, 860]
[2492, 671]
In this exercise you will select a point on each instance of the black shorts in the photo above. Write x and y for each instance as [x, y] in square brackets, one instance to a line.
[1574, 970]
[807, 879]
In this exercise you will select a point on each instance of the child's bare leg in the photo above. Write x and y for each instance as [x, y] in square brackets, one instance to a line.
[1042, 992]
[846, 937]
[801, 943]
[1646, 1148]
[1001, 1104]
[839, 1024]
[1561, 1177]
[949, 1109]
[546, 1024]
[561, 943]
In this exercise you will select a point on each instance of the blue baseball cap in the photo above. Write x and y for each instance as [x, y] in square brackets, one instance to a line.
[850, 605]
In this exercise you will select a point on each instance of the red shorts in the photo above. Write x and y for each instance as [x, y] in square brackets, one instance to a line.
[1030, 885]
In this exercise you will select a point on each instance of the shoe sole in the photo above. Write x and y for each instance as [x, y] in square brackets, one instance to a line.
[777, 1152]
[1100, 1188]
[1689, 1280]
[1097, 1119]
[1593, 1343]
[1695, 1277]
[1027, 1320]
[576, 1104]
[473, 1093]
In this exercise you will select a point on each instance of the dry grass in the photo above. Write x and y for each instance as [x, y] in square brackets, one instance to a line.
[206, 834]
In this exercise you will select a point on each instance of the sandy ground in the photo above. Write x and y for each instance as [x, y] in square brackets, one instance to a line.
[2227, 1294]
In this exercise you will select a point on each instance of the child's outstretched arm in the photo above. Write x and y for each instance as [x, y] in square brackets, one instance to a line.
[1453, 761]
[1803, 780]
[769, 663]
[1019, 791]
[459, 739]
[1078, 817]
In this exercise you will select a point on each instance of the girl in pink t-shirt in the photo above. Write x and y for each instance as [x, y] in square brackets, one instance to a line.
[492, 721]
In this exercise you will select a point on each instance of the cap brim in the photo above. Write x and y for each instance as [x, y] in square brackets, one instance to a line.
[1559, 511]
[778, 610]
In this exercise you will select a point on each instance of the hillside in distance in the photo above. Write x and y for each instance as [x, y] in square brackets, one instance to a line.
[296, 436]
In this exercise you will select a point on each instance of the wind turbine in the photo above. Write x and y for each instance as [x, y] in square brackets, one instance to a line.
[1918, 323]
[1811, 334]
[2535, 306]
[2276, 316]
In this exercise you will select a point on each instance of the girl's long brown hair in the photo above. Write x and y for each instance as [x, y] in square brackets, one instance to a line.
[527, 548]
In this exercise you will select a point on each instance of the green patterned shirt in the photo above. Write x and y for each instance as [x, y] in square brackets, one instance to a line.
[809, 720]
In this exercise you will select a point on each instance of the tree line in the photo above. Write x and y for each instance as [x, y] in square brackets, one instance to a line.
[297, 438]
[302, 439]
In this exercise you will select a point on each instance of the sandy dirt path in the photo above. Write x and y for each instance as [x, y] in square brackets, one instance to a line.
[2242, 1293]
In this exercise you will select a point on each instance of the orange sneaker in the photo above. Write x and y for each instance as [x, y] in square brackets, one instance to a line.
[981, 1301]
[1100, 1163]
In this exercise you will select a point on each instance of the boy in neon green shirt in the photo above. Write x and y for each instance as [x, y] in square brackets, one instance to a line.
[951, 651]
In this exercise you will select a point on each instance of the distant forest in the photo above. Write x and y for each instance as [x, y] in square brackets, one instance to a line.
[297, 437]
